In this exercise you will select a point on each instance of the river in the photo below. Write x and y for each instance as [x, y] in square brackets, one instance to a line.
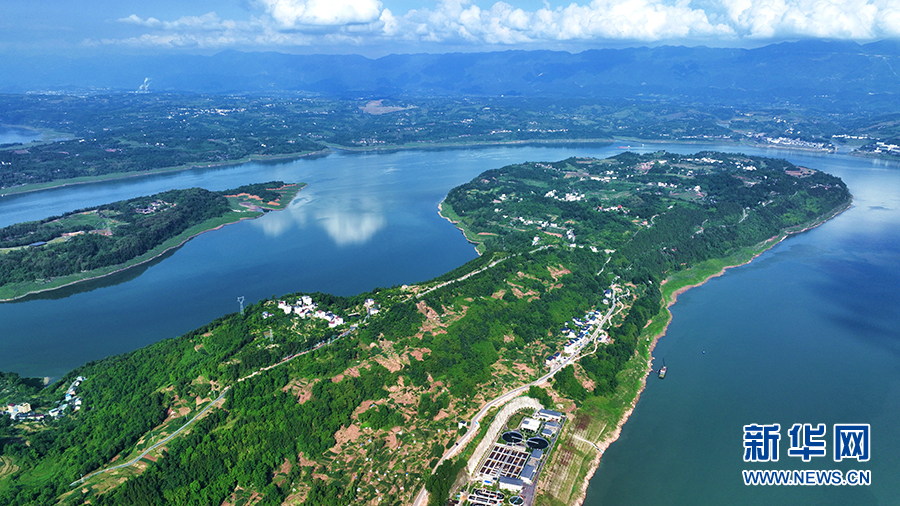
[9, 135]
[365, 220]
[806, 333]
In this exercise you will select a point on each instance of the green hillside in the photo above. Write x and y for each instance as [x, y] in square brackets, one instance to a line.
[325, 400]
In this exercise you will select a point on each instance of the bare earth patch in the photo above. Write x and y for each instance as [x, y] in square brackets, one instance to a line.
[419, 353]
[7, 467]
[362, 408]
[520, 366]
[375, 108]
[426, 310]
[352, 371]
[391, 438]
[392, 364]
[345, 435]
[303, 461]
[301, 388]
[557, 272]
[402, 396]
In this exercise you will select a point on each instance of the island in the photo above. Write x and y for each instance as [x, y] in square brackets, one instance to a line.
[90, 243]
[499, 382]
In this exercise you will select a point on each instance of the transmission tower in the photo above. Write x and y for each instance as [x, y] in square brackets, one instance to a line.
[241, 302]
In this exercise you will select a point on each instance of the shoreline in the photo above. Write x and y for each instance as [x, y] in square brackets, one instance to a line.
[151, 258]
[456, 224]
[125, 268]
[436, 146]
[12, 190]
[672, 298]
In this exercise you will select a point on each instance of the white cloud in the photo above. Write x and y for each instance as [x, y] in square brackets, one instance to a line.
[642, 20]
[299, 13]
[332, 22]
[208, 21]
[135, 20]
[846, 19]
[390, 25]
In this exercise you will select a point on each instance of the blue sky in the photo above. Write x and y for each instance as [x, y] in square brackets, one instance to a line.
[377, 27]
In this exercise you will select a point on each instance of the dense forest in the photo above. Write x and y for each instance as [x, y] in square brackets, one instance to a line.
[660, 212]
[112, 234]
[330, 413]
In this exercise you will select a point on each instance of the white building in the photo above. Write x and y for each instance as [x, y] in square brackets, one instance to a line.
[530, 424]
[15, 409]
[546, 414]
[511, 484]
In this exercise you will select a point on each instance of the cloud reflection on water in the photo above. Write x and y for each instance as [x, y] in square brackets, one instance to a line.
[348, 220]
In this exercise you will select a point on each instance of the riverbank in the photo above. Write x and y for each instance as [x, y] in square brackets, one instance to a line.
[15, 190]
[446, 211]
[424, 145]
[597, 418]
[21, 290]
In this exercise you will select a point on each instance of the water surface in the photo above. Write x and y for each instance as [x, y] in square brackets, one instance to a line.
[806, 333]
[9, 135]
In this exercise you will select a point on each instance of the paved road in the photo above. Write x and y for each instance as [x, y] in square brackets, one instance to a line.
[206, 408]
[509, 395]
[157, 444]
[478, 271]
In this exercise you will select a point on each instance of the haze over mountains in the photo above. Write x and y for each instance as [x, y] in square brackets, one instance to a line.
[842, 73]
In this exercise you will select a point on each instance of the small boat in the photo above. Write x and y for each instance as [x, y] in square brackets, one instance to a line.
[662, 370]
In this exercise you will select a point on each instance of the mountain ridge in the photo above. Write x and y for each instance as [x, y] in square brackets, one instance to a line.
[790, 71]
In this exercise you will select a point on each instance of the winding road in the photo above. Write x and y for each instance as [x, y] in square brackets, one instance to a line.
[207, 408]
[470, 434]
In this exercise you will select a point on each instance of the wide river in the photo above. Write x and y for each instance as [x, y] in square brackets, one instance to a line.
[806, 333]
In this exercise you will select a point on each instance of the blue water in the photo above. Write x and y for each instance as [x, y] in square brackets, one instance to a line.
[365, 220]
[806, 333]
[9, 135]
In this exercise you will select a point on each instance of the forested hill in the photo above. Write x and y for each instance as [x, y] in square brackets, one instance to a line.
[329, 400]
[660, 212]
[89, 242]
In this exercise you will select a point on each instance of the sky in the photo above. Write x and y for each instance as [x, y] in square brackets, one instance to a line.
[378, 27]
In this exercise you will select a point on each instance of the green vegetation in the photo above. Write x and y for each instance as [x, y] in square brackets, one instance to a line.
[324, 412]
[439, 483]
[87, 243]
[109, 136]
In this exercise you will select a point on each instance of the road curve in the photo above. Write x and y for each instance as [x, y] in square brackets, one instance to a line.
[509, 395]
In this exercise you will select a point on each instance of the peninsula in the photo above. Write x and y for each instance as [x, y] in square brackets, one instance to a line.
[90, 243]
[535, 351]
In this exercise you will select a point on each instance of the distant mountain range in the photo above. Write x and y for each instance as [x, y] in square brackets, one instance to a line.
[823, 72]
